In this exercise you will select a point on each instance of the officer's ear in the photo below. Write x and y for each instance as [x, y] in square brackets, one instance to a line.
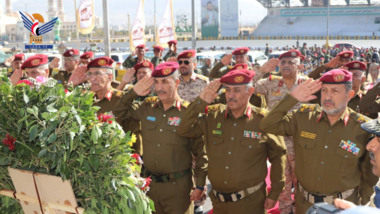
[363, 79]
[351, 94]
[251, 90]
[177, 81]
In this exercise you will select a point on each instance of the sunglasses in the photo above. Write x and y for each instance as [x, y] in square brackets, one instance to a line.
[187, 62]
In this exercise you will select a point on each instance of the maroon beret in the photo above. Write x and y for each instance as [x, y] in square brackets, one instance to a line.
[71, 52]
[87, 55]
[187, 54]
[19, 57]
[159, 48]
[165, 69]
[356, 65]
[292, 53]
[346, 54]
[172, 42]
[140, 46]
[336, 76]
[240, 51]
[35, 61]
[145, 64]
[238, 77]
[239, 66]
[101, 62]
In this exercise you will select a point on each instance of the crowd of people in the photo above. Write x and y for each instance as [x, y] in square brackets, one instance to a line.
[311, 114]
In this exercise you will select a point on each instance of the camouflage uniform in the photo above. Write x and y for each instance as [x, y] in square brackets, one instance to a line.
[193, 88]
[156, 61]
[274, 89]
[170, 54]
[130, 62]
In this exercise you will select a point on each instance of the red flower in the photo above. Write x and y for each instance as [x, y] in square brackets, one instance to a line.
[105, 118]
[26, 82]
[146, 183]
[138, 158]
[66, 91]
[10, 142]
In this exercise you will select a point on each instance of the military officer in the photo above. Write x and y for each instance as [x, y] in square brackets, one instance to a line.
[370, 103]
[172, 50]
[86, 57]
[15, 62]
[167, 156]
[35, 66]
[157, 59]
[132, 61]
[237, 149]
[140, 70]
[331, 160]
[222, 67]
[71, 62]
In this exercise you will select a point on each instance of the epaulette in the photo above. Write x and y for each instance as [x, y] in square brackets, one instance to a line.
[307, 107]
[360, 118]
[260, 111]
[212, 108]
[229, 67]
[200, 76]
[185, 103]
[118, 93]
[274, 77]
[129, 88]
[153, 99]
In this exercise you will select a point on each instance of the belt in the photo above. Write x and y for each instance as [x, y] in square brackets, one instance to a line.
[235, 196]
[163, 178]
[314, 198]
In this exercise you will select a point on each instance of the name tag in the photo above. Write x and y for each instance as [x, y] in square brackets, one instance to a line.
[217, 132]
[308, 135]
[349, 146]
[151, 118]
[252, 134]
[174, 121]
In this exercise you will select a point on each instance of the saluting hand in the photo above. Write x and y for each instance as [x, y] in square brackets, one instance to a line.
[79, 75]
[16, 76]
[335, 62]
[226, 60]
[270, 65]
[304, 91]
[54, 63]
[128, 76]
[9, 61]
[210, 92]
[142, 87]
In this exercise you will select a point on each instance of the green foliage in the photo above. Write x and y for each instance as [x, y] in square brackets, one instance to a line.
[58, 133]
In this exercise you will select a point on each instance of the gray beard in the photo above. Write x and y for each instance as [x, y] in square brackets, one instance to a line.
[334, 111]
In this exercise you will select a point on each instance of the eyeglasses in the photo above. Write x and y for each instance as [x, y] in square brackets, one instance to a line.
[95, 74]
[187, 62]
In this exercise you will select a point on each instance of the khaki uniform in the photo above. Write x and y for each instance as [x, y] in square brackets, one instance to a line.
[62, 77]
[355, 104]
[274, 89]
[218, 71]
[167, 156]
[131, 61]
[156, 61]
[238, 153]
[169, 54]
[192, 89]
[257, 100]
[370, 103]
[329, 159]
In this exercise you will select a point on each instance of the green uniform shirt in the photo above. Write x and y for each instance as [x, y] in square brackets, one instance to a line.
[169, 54]
[131, 61]
[237, 149]
[62, 77]
[370, 103]
[164, 150]
[329, 159]
[156, 61]
[108, 102]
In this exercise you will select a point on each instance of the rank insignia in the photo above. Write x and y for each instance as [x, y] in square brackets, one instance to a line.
[252, 134]
[217, 132]
[174, 121]
[263, 112]
[349, 146]
[218, 125]
[276, 93]
[307, 107]
[308, 135]
[151, 118]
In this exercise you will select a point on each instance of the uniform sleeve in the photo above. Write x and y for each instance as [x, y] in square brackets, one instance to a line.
[261, 87]
[128, 61]
[277, 158]
[370, 102]
[191, 124]
[258, 76]
[316, 73]
[216, 71]
[199, 151]
[368, 179]
[278, 121]
[125, 109]
[167, 55]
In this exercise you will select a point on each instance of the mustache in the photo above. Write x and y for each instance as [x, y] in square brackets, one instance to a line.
[232, 100]
[161, 92]
[372, 156]
[328, 101]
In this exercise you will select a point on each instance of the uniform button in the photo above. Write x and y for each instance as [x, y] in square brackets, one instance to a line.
[319, 178]
[322, 162]
[164, 115]
[232, 138]
[158, 145]
[250, 146]
[326, 146]
[160, 130]
[199, 102]
[346, 156]
[225, 182]
[174, 130]
[235, 124]
[227, 167]
[330, 131]
[229, 153]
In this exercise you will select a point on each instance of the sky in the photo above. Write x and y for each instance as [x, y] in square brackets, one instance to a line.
[251, 11]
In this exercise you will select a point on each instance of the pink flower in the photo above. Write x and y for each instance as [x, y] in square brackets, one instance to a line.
[138, 158]
[26, 82]
[10, 142]
[41, 79]
[146, 183]
[105, 118]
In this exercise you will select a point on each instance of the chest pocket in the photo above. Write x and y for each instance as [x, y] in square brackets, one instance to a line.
[216, 146]
[149, 125]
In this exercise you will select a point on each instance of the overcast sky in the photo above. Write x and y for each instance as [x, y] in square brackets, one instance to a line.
[251, 11]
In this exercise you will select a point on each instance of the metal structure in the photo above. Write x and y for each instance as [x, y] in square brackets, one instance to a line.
[306, 3]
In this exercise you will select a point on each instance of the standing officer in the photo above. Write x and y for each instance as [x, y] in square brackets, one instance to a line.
[222, 67]
[172, 50]
[86, 58]
[370, 103]
[191, 84]
[132, 61]
[167, 156]
[331, 160]
[14, 62]
[237, 149]
[157, 59]
[71, 62]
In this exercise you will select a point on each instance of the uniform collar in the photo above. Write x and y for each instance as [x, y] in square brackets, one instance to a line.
[176, 104]
[344, 117]
[193, 77]
[359, 94]
[247, 112]
[107, 96]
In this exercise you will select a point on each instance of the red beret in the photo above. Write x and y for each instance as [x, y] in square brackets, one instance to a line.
[172, 42]
[240, 51]
[238, 77]
[71, 52]
[19, 57]
[239, 66]
[292, 53]
[101, 62]
[186, 54]
[165, 69]
[140, 46]
[356, 65]
[157, 47]
[87, 55]
[336, 76]
[145, 64]
[346, 54]
[35, 61]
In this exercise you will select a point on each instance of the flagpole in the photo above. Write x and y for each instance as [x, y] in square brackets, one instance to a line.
[194, 39]
[106, 31]
[155, 28]
[76, 15]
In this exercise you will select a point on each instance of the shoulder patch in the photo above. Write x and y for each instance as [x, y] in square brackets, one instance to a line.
[151, 99]
[307, 107]
[274, 77]
[260, 111]
[200, 76]
[212, 108]
[185, 103]
[361, 118]
[118, 93]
